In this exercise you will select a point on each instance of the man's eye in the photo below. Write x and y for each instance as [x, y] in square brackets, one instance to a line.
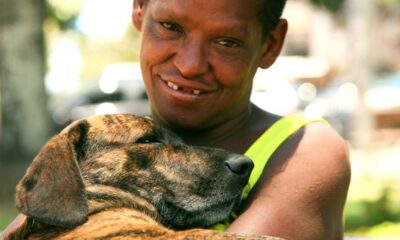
[228, 43]
[171, 26]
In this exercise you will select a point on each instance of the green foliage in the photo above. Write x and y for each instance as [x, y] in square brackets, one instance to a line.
[389, 3]
[373, 218]
[336, 7]
[64, 13]
[7, 214]
[333, 6]
[64, 22]
[385, 229]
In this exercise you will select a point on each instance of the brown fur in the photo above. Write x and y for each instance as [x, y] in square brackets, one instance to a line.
[122, 177]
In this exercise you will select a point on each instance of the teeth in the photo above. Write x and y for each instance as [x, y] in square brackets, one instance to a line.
[173, 86]
[176, 87]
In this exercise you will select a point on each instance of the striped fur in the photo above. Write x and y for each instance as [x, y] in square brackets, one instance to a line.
[122, 177]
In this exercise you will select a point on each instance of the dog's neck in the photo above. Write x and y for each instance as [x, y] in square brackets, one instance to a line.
[102, 197]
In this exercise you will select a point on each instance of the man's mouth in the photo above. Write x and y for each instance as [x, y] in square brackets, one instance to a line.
[175, 87]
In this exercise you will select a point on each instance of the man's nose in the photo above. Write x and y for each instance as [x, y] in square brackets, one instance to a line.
[191, 58]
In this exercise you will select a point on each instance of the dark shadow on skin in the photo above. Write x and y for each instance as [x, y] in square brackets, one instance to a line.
[276, 164]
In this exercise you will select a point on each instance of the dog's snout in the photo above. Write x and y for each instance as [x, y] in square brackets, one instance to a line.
[240, 165]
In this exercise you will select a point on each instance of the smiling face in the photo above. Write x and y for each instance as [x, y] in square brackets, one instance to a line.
[198, 59]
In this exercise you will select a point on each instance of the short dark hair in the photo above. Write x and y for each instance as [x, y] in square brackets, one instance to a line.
[270, 11]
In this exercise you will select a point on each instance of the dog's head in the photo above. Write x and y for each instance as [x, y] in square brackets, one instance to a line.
[189, 186]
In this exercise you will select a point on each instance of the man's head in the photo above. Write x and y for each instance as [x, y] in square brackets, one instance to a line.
[199, 57]
[269, 13]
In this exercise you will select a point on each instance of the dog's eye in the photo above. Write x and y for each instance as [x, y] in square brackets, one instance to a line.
[148, 139]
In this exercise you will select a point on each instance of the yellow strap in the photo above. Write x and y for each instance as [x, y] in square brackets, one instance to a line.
[261, 151]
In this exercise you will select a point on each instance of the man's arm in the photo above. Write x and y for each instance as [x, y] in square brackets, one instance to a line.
[301, 196]
[14, 225]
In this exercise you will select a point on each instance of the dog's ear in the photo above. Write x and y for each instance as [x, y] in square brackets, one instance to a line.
[52, 189]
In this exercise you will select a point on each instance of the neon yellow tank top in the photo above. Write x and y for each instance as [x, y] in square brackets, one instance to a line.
[262, 149]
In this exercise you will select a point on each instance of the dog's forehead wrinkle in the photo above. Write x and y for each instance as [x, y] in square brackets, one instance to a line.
[122, 127]
[120, 120]
[103, 166]
[118, 127]
[98, 146]
[113, 134]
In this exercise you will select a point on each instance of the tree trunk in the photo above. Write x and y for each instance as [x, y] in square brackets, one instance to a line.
[24, 122]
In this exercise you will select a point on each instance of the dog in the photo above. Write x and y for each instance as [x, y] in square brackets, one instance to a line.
[121, 176]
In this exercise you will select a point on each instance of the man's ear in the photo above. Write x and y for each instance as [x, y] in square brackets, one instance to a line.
[138, 13]
[272, 46]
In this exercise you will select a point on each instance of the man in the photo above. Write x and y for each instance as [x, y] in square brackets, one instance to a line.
[198, 59]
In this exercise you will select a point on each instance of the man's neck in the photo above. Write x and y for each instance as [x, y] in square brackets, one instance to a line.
[236, 135]
[218, 133]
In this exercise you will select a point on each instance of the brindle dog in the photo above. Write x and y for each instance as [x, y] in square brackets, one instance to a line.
[122, 177]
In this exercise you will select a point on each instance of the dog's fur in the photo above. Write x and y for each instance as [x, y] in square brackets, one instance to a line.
[120, 176]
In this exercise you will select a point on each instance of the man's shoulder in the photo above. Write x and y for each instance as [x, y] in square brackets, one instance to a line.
[324, 139]
[325, 151]
[316, 149]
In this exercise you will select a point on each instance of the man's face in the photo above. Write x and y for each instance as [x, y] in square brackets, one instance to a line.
[198, 59]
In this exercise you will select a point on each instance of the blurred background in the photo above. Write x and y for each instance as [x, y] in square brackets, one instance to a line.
[64, 60]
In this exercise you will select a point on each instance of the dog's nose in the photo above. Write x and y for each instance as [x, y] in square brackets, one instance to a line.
[240, 165]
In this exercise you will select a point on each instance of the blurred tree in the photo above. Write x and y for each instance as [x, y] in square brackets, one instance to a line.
[336, 6]
[64, 13]
[333, 6]
[389, 3]
[24, 122]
